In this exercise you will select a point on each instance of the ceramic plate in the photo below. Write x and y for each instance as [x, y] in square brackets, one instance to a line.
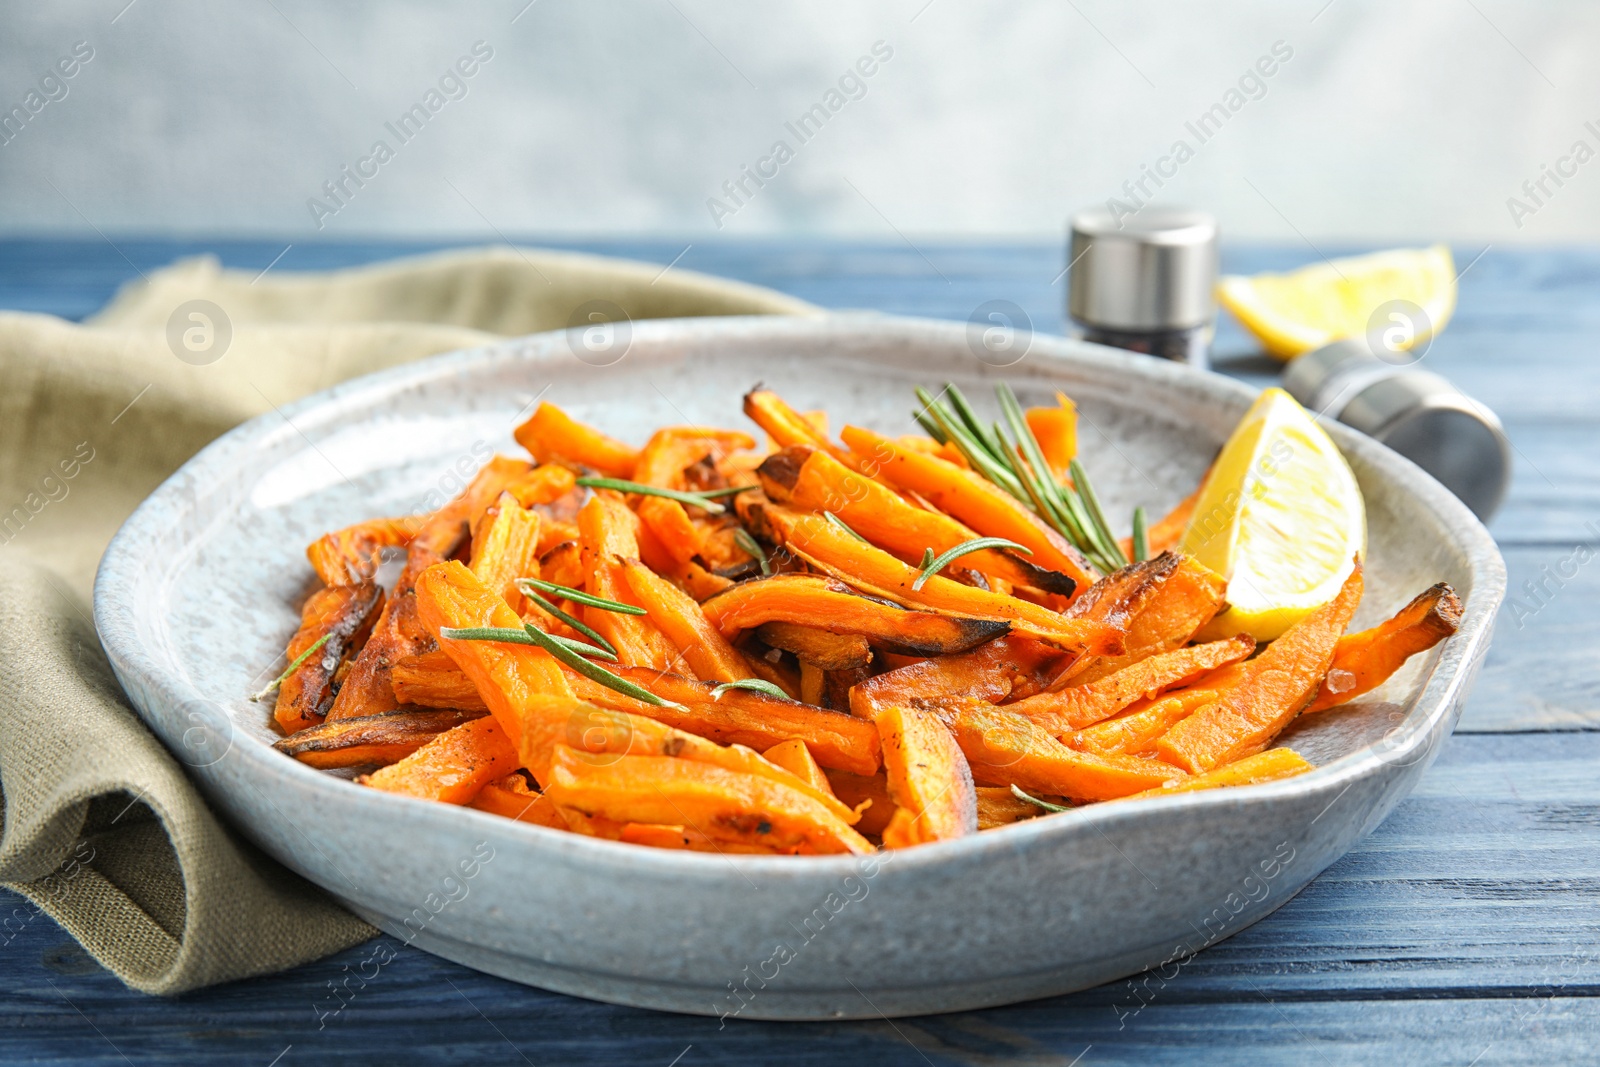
[201, 588]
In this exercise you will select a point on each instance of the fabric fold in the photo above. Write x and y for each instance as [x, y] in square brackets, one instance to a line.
[103, 830]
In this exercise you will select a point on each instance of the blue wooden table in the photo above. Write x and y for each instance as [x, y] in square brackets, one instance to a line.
[1465, 930]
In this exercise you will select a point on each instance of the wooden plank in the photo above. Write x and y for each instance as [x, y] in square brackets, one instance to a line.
[1471, 916]
[1540, 671]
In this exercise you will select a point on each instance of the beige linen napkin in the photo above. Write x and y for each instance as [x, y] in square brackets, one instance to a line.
[102, 830]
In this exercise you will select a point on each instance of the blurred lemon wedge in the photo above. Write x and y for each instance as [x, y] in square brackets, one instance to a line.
[1280, 517]
[1316, 305]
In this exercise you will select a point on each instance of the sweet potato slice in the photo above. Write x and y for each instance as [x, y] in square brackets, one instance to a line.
[1056, 430]
[1062, 712]
[867, 794]
[999, 806]
[966, 497]
[511, 798]
[1163, 603]
[743, 717]
[1134, 732]
[1365, 660]
[1004, 748]
[505, 548]
[818, 647]
[991, 673]
[373, 740]
[813, 685]
[768, 665]
[344, 614]
[432, 680]
[828, 604]
[451, 767]
[661, 463]
[794, 757]
[600, 732]
[508, 677]
[872, 570]
[1268, 766]
[366, 689]
[685, 838]
[811, 480]
[552, 435]
[683, 622]
[609, 536]
[722, 804]
[351, 555]
[545, 484]
[672, 528]
[928, 779]
[784, 424]
[562, 564]
[1272, 690]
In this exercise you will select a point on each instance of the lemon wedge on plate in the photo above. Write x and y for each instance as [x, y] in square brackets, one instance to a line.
[1280, 517]
[1316, 305]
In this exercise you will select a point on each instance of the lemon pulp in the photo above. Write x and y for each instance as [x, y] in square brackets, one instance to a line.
[1316, 305]
[1280, 517]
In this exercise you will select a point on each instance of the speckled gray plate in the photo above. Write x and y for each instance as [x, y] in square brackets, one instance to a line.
[200, 589]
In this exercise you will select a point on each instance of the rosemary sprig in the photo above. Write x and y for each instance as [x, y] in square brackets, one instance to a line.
[532, 635]
[1008, 454]
[1141, 537]
[702, 501]
[932, 564]
[1017, 792]
[571, 620]
[291, 668]
[746, 541]
[834, 520]
[755, 685]
[578, 596]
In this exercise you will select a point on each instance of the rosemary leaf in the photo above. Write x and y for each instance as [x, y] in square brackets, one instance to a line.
[532, 635]
[744, 540]
[577, 624]
[1141, 537]
[1017, 792]
[584, 648]
[1080, 481]
[755, 685]
[987, 438]
[840, 523]
[702, 501]
[935, 564]
[929, 426]
[291, 668]
[578, 596]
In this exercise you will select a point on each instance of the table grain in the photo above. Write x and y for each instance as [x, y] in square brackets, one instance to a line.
[1464, 930]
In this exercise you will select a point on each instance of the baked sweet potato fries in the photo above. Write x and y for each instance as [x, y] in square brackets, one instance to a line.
[797, 646]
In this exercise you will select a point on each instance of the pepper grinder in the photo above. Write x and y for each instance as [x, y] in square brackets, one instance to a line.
[1415, 412]
[1145, 282]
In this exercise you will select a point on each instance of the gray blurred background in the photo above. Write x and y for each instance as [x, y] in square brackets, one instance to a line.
[1387, 123]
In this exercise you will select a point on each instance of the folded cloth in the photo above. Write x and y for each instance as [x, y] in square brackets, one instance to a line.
[102, 830]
